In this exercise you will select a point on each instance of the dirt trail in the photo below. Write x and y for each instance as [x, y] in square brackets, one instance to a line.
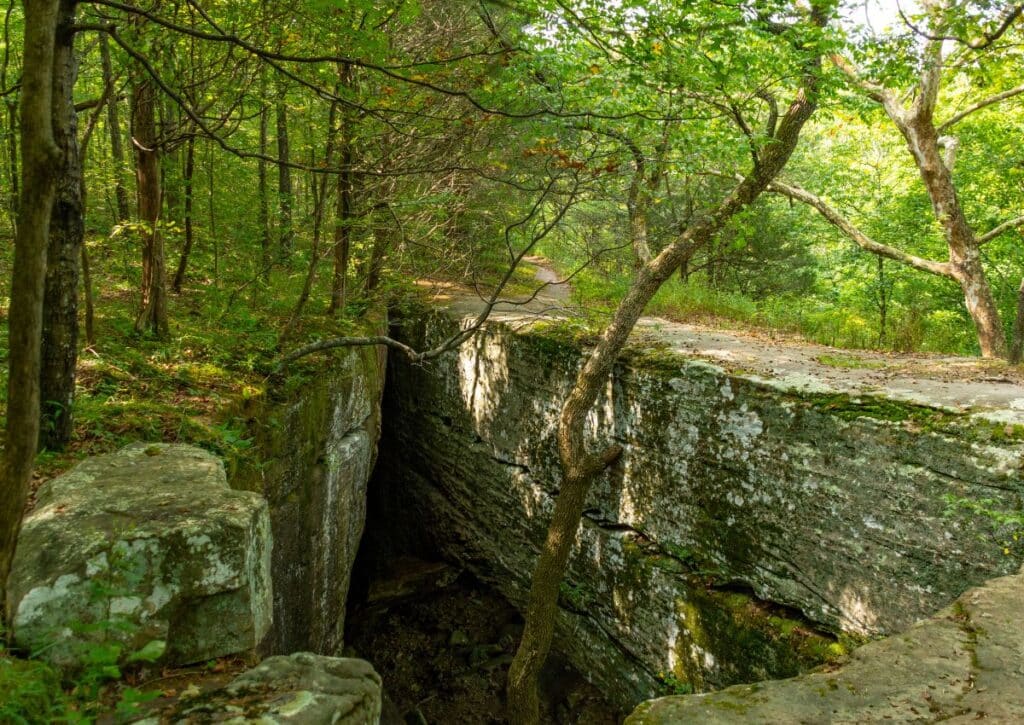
[992, 389]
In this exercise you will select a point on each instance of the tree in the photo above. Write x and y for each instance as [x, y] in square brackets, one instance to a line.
[67, 231]
[152, 315]
[795, 38]
[47, 25]
[934, 151]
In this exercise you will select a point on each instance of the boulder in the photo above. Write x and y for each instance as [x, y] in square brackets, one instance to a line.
[302, 688]
[145, 552]
[962, 665]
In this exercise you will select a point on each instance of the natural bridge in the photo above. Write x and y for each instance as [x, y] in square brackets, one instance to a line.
[776, 504]
[776, 507]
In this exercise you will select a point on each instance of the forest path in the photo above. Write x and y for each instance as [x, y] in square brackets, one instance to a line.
[991, 388]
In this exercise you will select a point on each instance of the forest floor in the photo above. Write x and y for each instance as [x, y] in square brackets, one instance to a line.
[443, 650]
[960, 384]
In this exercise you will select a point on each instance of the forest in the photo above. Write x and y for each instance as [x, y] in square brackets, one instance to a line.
[200, 199]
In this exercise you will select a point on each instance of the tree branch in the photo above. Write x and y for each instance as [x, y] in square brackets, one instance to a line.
[997, 230]
[984, 103]
[874, 91]
[456, 340]
[942, 269]
[1010, 15]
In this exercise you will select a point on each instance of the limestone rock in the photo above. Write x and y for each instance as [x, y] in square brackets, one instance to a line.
[303, 689]
[146, 550]
[856, 511]
[963, 665]
[317, 444]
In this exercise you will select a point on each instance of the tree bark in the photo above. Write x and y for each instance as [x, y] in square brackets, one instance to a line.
[67, 232]
[1017, 349]
[264, 199]
[152, 315]
[188, 174]
[11, 103]
[964, 250]
[343, 203]
[12, 159]
[285, 191]
[381, 243]
[114, 126]
[578, 465]
[90, 315]
[318, 184]
[40, 169]
[916, 123]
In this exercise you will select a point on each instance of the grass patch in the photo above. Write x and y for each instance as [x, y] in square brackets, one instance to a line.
[30, 692]
[815, 317]
[851, 363]
[223, 343]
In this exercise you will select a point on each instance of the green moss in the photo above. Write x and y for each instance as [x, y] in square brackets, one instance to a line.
[736, 706]
[850, 362]
[793, 639]
[558, 340]
[572, 597]
[847, 407]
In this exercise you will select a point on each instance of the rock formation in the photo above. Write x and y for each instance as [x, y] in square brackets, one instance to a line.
[146, 550]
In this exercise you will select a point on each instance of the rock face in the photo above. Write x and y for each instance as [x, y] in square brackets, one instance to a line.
[303, 689]
[747, 517]
[314, 449]
[146, 549]
[962, 665]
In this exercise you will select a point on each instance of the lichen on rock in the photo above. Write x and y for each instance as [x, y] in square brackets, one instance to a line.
[300, 689]
[147, 550]
[740, 500]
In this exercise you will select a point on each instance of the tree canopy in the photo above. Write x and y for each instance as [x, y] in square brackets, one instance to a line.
[273, 172]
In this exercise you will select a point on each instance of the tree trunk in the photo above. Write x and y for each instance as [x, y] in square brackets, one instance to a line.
[12, 158]
[883, 302]
[114, 126]
[638, 230]
[214, 242]
[59, 355]
[152, 315]
[90, 315]
[981, 305]
[917, 126]
[381, 243]
[11, 103]
[318, 184]
[1017, 350]
[264, 200]
[285, 192]
[40, 168]
[189, 172]
[964, 251]
[343, 205]
[579, 467]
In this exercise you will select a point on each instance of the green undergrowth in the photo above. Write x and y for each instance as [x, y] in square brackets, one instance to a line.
[816, 317]
[30, 692]
[191, 387]
[224, 341]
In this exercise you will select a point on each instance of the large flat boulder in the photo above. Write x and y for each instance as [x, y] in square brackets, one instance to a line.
[301, 689]
[146, 550]
[963, 665]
